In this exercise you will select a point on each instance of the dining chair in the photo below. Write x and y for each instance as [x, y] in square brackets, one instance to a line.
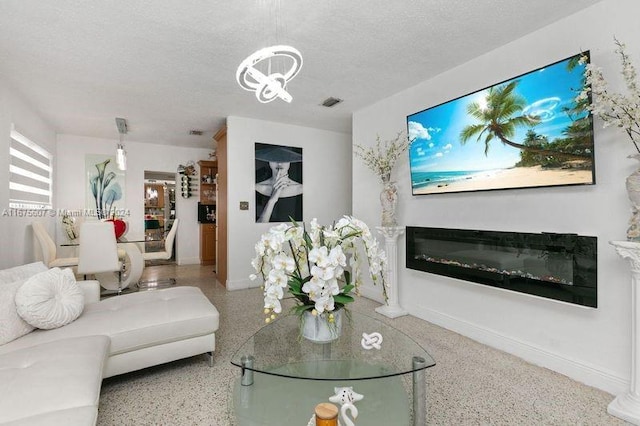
[168, 245]
[153, 229]
[161, 255]
[98, 251]
[48, 249]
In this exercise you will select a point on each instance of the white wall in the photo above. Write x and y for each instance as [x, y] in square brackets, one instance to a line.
[17, 237]
[326, 180]
[70, 187]
[590, 345]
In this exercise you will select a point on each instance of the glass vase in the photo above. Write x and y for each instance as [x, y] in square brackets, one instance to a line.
[389, 201]
[318, 328]
[70, 228]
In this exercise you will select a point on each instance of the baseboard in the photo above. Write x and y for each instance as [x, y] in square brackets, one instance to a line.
[373, 293]
[241, 284]
[577, 370]
[188, 261]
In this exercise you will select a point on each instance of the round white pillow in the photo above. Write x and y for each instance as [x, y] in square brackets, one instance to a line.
[50, 299]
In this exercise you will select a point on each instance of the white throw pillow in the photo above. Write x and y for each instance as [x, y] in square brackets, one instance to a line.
[22, 272]
[50, 299]
[12, 325]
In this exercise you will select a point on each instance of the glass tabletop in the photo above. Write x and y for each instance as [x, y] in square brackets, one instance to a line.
[122, 241]
[278, 349]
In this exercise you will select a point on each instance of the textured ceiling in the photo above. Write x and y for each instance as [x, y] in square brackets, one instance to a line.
[169, 66]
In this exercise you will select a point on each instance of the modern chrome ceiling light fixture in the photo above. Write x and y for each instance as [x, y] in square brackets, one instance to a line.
[121, 154]
[268, 70]
[269, 86]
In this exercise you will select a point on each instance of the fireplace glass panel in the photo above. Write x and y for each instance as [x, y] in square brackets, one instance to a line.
[556, 266]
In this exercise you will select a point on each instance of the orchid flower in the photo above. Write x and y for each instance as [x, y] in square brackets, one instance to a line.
[310, 263]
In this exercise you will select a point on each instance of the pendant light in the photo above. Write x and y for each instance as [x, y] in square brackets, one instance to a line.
[268, 70]
[121, 155]
[269, 86]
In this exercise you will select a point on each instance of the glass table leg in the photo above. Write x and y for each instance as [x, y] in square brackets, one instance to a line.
[247, 374]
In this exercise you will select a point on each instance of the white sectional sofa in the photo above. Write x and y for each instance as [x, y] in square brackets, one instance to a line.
[53, 377]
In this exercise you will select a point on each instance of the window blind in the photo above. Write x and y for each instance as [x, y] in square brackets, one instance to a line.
[30, 174]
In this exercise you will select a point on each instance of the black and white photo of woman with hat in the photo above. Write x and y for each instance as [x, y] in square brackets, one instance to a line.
[278, 183]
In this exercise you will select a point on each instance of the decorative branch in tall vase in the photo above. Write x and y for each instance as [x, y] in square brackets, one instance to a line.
[381, 160]
[620, 110]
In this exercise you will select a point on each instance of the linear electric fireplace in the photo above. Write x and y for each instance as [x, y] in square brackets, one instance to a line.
[556, 266]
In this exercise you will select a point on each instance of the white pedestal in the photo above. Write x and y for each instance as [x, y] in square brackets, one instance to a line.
[392, 309]
[627, 405]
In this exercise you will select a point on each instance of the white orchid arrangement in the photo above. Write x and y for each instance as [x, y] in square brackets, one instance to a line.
[382, 157]
[315, 264]
[614, 108]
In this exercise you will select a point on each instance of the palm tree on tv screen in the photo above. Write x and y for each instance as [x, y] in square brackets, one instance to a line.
[500, 118]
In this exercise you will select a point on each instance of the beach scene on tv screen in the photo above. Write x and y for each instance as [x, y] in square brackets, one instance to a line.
[525, 132]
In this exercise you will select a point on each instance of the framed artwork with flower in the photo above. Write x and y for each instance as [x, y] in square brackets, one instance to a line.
[278, 184]
[105, 186]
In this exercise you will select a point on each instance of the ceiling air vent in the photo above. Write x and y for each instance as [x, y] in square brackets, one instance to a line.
[329, 102]
[196, 132]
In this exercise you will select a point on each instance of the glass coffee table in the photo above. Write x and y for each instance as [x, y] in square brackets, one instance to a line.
[284, 376]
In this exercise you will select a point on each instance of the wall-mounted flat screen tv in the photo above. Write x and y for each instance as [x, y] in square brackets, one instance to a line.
[529, 131]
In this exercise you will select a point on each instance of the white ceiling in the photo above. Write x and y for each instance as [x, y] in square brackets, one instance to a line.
[168, 66]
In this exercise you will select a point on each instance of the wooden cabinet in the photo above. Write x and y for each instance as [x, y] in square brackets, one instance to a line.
[208, 244]
[221, 206]
[207, 193]
[208, 178]
[208, 196]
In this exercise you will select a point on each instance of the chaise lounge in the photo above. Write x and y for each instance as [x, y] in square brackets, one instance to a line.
[53, 376]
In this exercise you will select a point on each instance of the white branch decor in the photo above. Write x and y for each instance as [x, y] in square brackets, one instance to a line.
[615, 109]
[382, 157]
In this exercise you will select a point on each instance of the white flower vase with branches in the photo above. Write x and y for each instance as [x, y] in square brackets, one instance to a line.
[633, 192]
[389, 201]
[381, 160]
[622, 111]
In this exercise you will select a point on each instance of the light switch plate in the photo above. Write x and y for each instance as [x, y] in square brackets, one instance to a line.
[244, 205]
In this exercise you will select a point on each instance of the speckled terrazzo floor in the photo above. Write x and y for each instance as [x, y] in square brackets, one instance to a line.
[472, 384]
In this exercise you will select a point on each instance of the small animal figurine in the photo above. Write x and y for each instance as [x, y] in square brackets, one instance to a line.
[346, 396]
[353, 411]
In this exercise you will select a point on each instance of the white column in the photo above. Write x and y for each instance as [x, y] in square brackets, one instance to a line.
[392, 309]
[627, 405]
